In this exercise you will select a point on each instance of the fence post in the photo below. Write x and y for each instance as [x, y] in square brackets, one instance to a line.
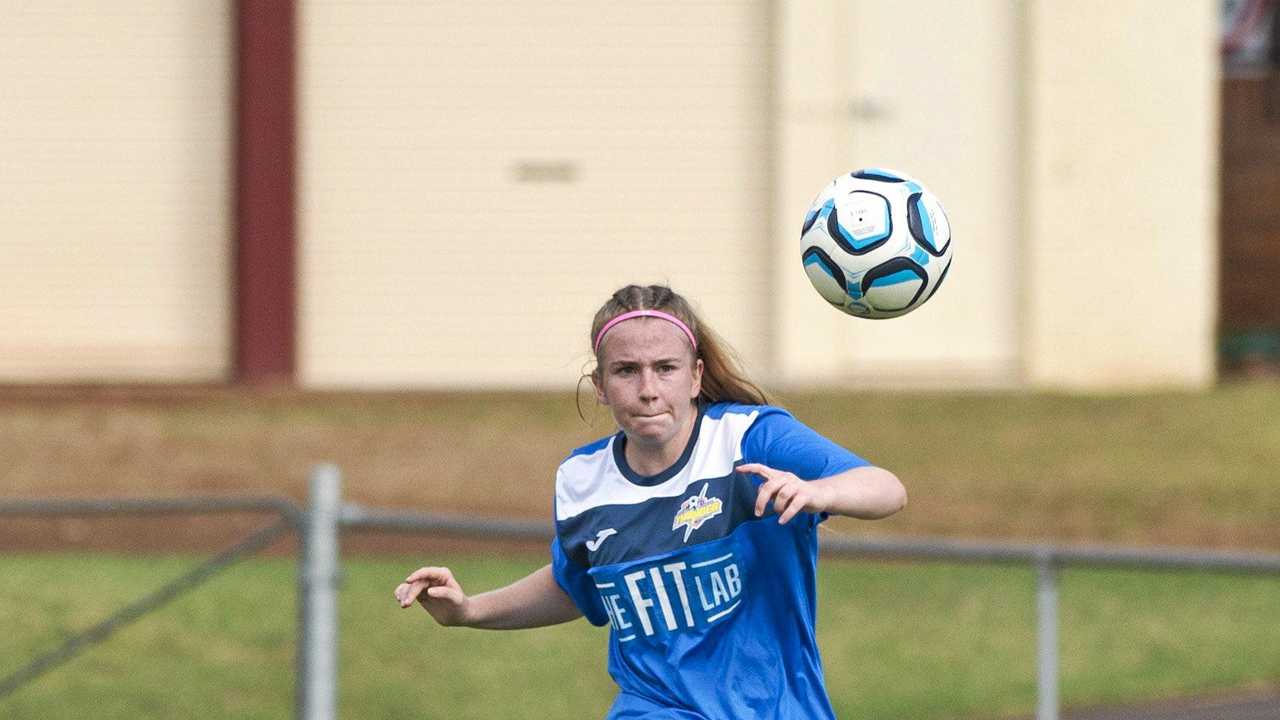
[1047, 637]
[318, 598]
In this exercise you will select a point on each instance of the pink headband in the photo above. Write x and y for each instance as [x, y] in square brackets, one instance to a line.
[646, 313]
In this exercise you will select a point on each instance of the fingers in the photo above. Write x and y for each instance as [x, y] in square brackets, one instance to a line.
[406, 593]
[784, 489]
[763, 495]
[790, 506]
[763, 471]
[444, 592]
[428, 582]
[433, 575]
[766, 490]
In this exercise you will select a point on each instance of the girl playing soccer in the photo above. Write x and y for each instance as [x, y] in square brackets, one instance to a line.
[692, 531]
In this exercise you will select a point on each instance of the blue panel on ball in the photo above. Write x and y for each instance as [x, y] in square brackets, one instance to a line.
[814, 257]
[808, 221]
[894, 285]
[813, 216]
[826, 276]
[896, 278]
[920, 256]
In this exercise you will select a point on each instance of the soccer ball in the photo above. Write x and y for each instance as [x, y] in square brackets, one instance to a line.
[876, 243]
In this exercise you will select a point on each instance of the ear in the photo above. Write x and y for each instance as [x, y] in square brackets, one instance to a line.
[697, 379]
[597, 382]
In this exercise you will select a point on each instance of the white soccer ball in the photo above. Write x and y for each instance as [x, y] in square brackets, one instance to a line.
[876, 243]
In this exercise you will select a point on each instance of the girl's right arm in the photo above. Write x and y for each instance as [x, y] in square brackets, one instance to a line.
[533, 601]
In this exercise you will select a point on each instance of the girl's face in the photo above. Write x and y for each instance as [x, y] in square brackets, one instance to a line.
[649, 378]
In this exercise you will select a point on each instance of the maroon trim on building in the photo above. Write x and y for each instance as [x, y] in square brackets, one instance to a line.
[265, 307]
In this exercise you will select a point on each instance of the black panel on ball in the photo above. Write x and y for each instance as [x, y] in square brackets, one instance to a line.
[894, 265]
[938, 284]
[808, 223]
[868, 175]
[916, 224]
[830, 265]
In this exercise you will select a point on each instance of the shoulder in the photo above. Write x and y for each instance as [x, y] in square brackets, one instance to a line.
[748, 419]
[588, 450]
[586, 477]
[732, 427]
[739, 414]
[776, 438]
[586, 461]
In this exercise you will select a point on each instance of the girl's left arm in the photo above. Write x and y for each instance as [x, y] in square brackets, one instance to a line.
[866, 492]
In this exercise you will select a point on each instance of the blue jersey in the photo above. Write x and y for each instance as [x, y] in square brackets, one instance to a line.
[711, 609]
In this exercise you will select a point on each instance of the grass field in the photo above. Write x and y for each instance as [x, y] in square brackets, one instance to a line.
[1160, 468]
[900, 642]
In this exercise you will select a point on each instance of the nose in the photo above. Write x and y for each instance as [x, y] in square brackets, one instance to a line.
[648, 385]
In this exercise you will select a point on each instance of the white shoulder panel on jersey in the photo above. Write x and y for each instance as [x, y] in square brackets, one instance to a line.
[588, 481]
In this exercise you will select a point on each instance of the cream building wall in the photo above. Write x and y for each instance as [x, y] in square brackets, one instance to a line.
[475, 178]
[115, 137]
[1122, 177]
[943, 107]
[478, 178]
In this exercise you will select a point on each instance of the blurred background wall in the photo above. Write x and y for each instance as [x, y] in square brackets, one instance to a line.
[1122, 177]
[473, 179]
[115, 191]
[477, 178]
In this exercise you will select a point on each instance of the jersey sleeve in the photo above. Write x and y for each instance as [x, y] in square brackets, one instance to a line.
[577, 584]
[780, 441]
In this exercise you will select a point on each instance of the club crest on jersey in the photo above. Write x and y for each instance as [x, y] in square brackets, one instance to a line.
[695, 511]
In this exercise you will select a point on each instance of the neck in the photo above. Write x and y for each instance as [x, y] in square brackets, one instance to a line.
[651, 459]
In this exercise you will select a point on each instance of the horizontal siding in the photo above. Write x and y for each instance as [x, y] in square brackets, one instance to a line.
[429, 260]
[114, 141]
[1122, 206]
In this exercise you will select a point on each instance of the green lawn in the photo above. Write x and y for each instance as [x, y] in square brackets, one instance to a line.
[900, 641]
[1151, 468]
[1161, 468]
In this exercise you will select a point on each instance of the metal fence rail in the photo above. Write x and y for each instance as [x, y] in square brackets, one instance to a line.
[76, 507]
[357, 517]
[320, 525]
[1097, 556]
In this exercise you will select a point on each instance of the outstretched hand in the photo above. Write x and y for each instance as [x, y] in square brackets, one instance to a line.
[790, 494]
[437, 591]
